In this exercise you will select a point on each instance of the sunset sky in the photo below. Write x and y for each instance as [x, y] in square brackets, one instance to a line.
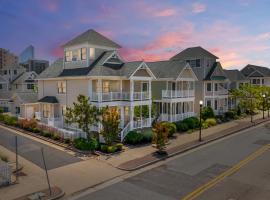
[238, 31]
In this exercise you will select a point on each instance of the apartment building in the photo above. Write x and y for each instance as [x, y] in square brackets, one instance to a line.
[212, 84]
[257, 75]
[7, 58]
[35, 65]
[173, 90]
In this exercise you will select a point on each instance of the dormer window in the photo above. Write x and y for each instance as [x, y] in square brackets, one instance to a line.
[194, 63]
[92, 53]
[76, 54]
[68, 56]
[83, 54]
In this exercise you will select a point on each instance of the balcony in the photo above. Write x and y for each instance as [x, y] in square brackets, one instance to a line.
[171, 94]
[175, 117]
[119, 96]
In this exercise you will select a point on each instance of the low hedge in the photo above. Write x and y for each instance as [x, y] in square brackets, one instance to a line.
[181, 126]
[211, 122]
[85, 145]
[111, 149]
[134, 137]
[192, 122]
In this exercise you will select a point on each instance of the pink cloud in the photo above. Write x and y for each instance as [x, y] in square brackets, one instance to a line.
[198, 7]
[57, 52]
[166, 13]
[50, 5]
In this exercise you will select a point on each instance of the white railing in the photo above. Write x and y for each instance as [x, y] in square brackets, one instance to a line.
[53, 121]
[118, 96]
[125, 131]
[176, 117]
[38, 115]
[143, 123]
[177, 93]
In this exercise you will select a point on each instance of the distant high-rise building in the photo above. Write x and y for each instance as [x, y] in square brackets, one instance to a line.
[35, 65]
[27, 54]
[7, 58]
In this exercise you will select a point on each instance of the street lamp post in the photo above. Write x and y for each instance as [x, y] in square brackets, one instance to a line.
[263, 104]
[267, 107]
[251, 111]
[200, 133]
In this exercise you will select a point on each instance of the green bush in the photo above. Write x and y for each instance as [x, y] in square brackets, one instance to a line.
[134, 138]
[56, 137]
[1, 110]
[192, 122]
[211, 122]
[181, 126]
[2, 117]
[3, 158]
[171, 128]
[85, 145]
[147, 136]
[67, 140]
[119, 146]
[230, 114]
[35, 130]
[111, 149]
[47, 134]
[10, 120]
[205, 125]
[207, 112]
[104, 148]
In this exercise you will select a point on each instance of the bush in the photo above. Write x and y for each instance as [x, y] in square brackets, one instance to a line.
[211, 122]
[207, 112]
[67, 140]
[104, 148]
[205, 125]
[119, 146]
[3, 158]
[47, 134]
[85, 145]
[230, 114]
[134, 138]
[171, 128]
[111, 149]
[10, 120]
[181, 126]
[147, 136]
[56, 137]
[192, 122]
[29, 125]
[1, 110]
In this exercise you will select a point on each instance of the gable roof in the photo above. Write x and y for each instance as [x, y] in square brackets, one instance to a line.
[255, 71]
[54, 70]
[92, 37]
[30, 97]
[24, 77]
[193, 52]
[167, 69]
[235, 75]
[211, 76]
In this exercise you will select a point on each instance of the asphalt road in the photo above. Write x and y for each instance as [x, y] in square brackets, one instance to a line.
[182, 175]
[30, 150]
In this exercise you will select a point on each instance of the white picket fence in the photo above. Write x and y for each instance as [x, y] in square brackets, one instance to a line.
[5, 173]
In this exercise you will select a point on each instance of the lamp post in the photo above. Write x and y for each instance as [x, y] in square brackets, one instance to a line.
[267, 107]
[251, 111]
[200, 133]
[263, 104]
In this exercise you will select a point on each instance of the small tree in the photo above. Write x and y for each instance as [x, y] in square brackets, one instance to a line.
[110, 122]
[83, 114]
[160, 136]
[207, 112]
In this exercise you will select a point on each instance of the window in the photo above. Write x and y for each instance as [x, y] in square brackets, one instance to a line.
[83, 54]
[15, 71]
[198, 62]
[76, 54]
[262, 81]
[216, 104]
[216, 87]
[144, 87]
[106, 86]
[46, 110]
[5, 72]
[209, 87]
[194, 63]
[208, 103]
[30, 86]
[18, 110]
[68, 55]
[61, 87]
[92, 53]
[1, 86]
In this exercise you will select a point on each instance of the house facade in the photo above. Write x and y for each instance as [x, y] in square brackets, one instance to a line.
[257, 75]
[212, 84]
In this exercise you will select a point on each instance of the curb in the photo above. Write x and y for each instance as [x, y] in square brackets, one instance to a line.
[57, 196]
[192, 147]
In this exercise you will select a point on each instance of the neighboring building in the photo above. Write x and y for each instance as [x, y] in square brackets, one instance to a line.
[7, 58]
[35, 65]
[212, 86]
[237, 79]
[25, 83]
[27, 54]
[257, 75]
[173, 90]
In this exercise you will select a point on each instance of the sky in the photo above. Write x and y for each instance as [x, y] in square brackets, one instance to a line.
[237, 31]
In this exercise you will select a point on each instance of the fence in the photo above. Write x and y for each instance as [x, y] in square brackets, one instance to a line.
[5, 173]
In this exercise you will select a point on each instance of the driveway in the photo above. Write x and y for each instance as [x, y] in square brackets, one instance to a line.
[30, 150]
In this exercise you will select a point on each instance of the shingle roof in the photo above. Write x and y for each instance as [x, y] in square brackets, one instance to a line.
[92, 37]
[211, 76]
[167, 69]
[23, 77]
[193, 52]
[27, 97]
[255, 71]
[54, 70]
[48, 99]
[235, 75]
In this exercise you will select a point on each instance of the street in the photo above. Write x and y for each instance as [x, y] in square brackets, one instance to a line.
[30, 150]
[185, 173]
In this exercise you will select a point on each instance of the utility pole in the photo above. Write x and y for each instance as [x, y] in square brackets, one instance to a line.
[45, 168]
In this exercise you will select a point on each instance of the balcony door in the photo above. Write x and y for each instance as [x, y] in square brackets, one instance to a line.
[144, 86]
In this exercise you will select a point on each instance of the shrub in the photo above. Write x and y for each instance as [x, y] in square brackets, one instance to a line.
[3, 158]
[10, 120]
[160, 136]
[171, 128]
[2, 117]
[182, 126]
[211, 122]
[207, 112]
[67, 140]
[56, 137]
[47, 134]
[104, 148]
[134, 138]
[35, 130]
[192, 122]
[205, 125]
[28, 124]
[230, 114]
[86, 145]
[1, 110]
[147, 136]
[111, 149]
[119, 146]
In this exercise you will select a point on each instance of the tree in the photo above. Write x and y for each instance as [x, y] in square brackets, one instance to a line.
[110, 123]
[207, 112]
[83, 114]
[160, 136]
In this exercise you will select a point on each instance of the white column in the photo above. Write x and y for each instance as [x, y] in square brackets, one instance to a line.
[171, 112]
[122, 116]
[90, 89]
[99, 90]
[131, 116]
[150, 89]
[131, 89]
[150, 114]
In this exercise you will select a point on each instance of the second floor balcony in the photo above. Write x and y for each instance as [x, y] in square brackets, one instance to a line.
[171, 94]
[119, 96]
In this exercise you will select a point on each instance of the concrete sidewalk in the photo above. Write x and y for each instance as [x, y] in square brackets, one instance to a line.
[136, 157]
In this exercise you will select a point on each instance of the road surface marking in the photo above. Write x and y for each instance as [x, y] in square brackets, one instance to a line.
[225, 174]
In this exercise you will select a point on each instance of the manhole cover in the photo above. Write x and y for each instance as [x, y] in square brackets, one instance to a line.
[262, 142]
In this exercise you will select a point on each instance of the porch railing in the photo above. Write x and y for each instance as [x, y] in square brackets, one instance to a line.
[175, 117]
[118, 96]
[177, 93]
[143, 123]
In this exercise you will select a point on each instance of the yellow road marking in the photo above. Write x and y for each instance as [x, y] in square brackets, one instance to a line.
[225, 174]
